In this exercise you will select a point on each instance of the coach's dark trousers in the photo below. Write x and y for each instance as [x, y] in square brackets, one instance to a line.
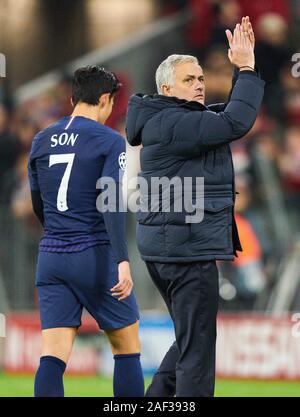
[191, 294]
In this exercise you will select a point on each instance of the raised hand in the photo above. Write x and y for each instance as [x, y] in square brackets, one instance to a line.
[247, 27]
[240, 52]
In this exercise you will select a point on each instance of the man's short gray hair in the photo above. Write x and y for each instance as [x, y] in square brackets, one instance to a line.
[165, 73]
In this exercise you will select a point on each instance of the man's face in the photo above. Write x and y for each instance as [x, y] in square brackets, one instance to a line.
[188, 84]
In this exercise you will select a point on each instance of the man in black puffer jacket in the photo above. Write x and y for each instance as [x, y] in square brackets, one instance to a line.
[183, 138]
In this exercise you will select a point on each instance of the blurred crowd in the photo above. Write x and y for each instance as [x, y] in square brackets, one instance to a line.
[268, 157]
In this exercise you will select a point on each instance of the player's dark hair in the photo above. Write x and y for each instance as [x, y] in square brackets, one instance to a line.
[89, 83]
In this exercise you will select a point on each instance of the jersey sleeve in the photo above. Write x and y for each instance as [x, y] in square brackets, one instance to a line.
[115, 161]
[115, 220]
[32, 171]
[37, 205]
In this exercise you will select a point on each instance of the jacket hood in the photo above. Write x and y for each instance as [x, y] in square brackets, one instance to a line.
[141, 108]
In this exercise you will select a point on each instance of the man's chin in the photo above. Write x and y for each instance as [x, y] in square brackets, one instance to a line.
[199, 100]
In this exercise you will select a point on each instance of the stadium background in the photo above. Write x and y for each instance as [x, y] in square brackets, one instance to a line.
[43, 41]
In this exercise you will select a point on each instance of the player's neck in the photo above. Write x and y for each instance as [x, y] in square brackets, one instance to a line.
[88, 111]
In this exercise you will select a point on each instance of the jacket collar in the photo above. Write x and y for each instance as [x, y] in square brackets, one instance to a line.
[191, 105]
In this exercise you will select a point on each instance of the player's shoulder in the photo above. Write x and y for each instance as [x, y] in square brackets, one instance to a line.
[111, 133]
[113, 138]
[38, 136]
[44, 132]
[42, 135]
[36, 141]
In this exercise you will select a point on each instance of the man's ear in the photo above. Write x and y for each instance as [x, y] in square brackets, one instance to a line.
[72, 104]
[166, 90]
[104, 99]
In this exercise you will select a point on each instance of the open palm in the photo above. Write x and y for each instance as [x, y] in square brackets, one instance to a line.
[247, 27]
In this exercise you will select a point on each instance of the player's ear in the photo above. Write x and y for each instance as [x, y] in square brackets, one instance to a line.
[104, 99]
[111, 99]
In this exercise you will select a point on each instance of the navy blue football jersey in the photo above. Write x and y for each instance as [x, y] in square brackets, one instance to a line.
[66, 160]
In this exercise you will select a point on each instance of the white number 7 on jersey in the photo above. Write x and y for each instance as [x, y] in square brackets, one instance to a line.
[67, 158]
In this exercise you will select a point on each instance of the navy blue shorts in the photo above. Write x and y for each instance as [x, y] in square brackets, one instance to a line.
[67, 282]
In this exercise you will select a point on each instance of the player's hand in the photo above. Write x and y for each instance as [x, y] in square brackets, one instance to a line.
[240, 52]
[123, 289]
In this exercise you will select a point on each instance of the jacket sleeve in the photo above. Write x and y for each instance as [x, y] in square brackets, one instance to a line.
[218, 107]
[195, 132]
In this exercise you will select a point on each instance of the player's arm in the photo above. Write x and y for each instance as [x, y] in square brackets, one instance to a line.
[115, 227]
[37, 205]
[36, 198]
[115, 221]
[115, 224]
